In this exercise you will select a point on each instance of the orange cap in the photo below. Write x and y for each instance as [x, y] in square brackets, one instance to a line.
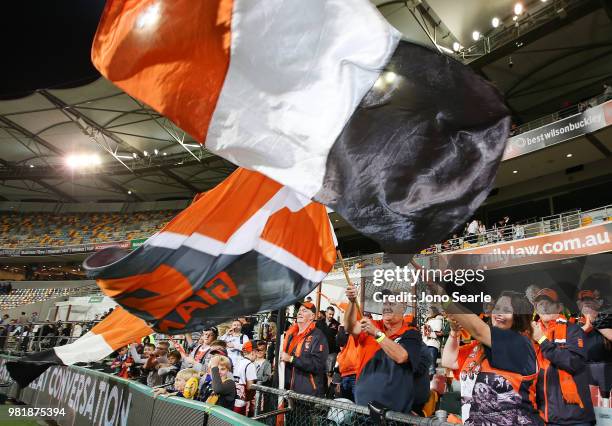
[548, 293]
[310, 306]
[586, 294]
[247, 347]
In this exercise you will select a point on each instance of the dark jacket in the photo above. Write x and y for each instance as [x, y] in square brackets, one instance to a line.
[330, 331]
[226, 390]
[571, 357]
[307, 373]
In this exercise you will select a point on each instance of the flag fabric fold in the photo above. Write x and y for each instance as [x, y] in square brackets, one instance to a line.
[322, 96]
[248, 245]
[119, 329]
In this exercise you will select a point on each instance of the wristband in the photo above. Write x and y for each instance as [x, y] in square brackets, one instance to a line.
[381, 338]
[541, 340]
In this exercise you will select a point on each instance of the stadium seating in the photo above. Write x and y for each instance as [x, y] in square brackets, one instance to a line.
[24, 296]
[49, 230]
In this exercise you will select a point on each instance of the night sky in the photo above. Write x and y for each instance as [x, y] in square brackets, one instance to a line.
[46, 44]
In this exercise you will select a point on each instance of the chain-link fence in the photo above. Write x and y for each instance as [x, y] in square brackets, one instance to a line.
[276, 406]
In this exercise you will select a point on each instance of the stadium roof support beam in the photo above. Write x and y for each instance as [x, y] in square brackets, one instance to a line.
[11, 124]
[515, 89]
[425, 17]
[57, 151]
[64, 196]
[108, 181]
[22, 172]
[180, 180]
[80, 116]
[594, 140]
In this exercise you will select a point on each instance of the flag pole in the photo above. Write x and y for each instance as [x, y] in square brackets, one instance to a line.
[348, 280]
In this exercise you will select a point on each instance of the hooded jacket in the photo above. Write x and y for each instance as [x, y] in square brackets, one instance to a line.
[309, 349]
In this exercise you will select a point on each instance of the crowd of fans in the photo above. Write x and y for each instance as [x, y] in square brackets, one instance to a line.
[205, 366]
[524, 360]
[28, 333]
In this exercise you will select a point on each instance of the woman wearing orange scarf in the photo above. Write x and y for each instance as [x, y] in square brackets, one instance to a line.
[562, 390]
[497, 370]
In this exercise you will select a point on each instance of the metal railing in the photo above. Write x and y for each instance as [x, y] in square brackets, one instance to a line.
[22, 342]
[561, 114]
[546, 225]
[304, 410]
[543, 226]
[512, 31]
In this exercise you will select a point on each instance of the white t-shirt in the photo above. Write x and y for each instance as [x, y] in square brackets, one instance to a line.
[431, 339]
[235, 353]
[244, 370]
[473, 227]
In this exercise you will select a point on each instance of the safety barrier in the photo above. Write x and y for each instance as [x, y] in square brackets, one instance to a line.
[87, 397]
[547, 225]
[303, 410]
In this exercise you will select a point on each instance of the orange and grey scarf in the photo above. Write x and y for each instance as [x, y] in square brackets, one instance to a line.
[556, 332]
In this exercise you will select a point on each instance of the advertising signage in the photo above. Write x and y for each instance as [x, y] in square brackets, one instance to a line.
[589, 121]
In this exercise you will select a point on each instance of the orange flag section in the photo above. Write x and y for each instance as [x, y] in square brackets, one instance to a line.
[154, 49]
[168, 287]
[210, 214]
[121, 328]
[312, 220]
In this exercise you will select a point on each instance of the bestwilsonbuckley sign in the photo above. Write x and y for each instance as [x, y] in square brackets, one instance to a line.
[589, 121]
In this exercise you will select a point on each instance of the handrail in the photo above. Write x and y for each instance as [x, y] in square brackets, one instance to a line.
[561, 114]
[359, 409]
[546, 225]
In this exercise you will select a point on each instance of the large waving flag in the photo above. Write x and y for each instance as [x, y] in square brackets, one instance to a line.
[248, 245]
[321, 96]
[119, 329]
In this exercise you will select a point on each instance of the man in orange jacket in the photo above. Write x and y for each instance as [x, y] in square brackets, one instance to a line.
[305, 353]
[562, 388]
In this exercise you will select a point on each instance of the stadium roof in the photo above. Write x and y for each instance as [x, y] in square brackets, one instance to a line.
[55, 104]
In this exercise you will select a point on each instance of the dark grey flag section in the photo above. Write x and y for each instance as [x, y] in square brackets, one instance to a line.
[420, 153]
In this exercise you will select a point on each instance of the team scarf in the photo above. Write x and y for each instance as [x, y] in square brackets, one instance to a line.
[248, 245]
[556, 332]
[294, 339]
[400, 140]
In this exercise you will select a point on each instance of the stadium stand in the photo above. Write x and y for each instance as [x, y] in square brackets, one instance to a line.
[42, 272]
[42, 230]
[551, 61]
[25, 296]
